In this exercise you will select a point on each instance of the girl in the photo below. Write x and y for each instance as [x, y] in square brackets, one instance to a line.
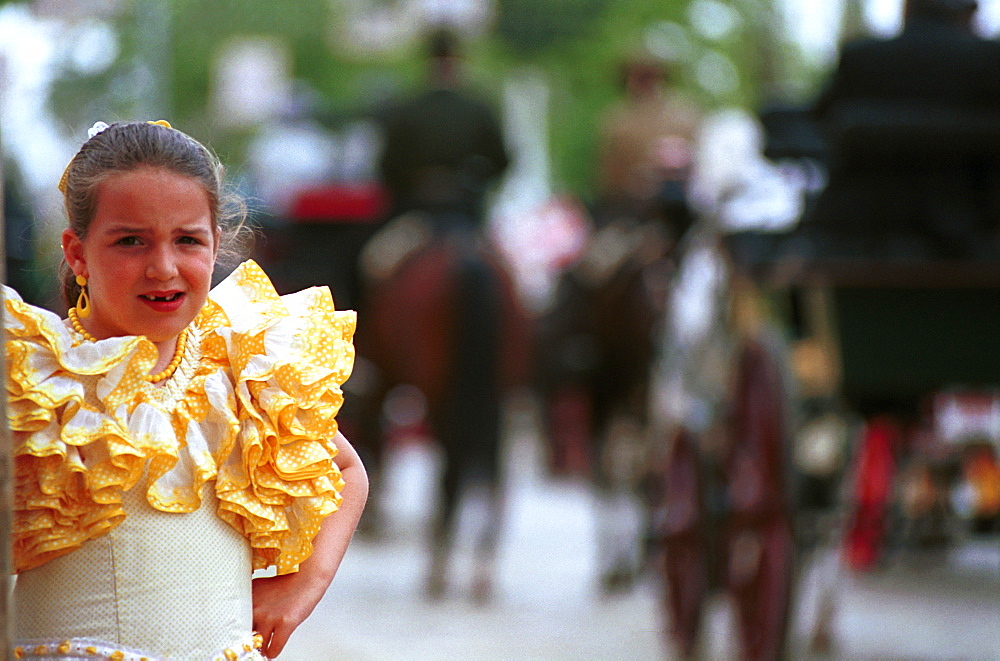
[169, 440]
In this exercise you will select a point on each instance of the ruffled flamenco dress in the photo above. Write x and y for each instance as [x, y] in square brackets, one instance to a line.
[142, 510]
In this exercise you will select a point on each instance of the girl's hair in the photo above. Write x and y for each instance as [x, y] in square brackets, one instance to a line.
[126, 146]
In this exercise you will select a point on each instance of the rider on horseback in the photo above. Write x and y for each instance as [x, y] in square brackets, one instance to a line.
[443, 148]
[444, 290]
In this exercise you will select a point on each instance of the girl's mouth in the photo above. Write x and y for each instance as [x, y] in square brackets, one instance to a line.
[163, 303]
[161, 299]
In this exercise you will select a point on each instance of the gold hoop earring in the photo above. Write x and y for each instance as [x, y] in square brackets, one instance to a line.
[83, 301]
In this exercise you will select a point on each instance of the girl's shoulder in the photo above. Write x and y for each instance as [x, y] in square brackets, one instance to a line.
[288, 358]
[39, 343]
[304, 326]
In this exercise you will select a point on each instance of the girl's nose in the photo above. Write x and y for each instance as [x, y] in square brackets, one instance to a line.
[162, 265]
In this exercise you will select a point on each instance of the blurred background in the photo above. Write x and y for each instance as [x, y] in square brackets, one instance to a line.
[594, 556]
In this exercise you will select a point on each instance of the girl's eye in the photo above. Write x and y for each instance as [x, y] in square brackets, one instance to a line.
[128, 241]
[189, 240]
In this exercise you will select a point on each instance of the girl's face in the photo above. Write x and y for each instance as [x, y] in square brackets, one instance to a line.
[148, 256]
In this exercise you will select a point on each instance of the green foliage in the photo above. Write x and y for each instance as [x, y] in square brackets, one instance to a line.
[202, 28]
[584, 64]
[532, 27]
[579, 44]
[80, 99]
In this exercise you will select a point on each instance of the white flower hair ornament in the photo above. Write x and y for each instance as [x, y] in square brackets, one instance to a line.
[91, 132]
[95, 129]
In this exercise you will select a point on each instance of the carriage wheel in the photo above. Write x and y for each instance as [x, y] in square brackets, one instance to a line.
[683, 559]
[761, 560]
[760, 542]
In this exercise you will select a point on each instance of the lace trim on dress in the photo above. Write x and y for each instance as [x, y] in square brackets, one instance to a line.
[72, 649]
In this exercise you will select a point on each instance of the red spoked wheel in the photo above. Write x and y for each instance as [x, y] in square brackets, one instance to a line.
[683, 560]
[760, 544]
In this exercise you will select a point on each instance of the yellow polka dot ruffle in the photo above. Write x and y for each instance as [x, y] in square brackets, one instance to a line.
[252, 406]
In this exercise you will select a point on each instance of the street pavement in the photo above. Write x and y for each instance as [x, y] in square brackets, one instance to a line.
[922, 606]
[547, 605]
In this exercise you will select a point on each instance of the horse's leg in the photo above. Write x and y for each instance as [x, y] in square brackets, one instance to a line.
[489, 540]
[363, 424]
[359, 417]
[621, 515]
[461, 472]
[365, 392]
[624, 318]
[471, 422]
[443, 528]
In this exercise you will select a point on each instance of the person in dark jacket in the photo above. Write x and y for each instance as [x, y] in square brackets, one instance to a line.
[444, 148]
[909, 121]
[443, 153]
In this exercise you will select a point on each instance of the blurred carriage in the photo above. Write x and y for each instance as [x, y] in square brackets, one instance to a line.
[809, 392]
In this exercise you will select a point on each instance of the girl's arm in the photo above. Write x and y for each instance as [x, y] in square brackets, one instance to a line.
[282, 603]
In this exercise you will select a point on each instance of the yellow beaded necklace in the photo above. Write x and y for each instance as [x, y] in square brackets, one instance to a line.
[175, 362]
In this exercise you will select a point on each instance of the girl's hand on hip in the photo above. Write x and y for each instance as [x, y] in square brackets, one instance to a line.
[280, 605]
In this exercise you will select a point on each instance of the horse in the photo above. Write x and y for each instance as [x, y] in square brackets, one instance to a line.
[597, 344]
[442, 315]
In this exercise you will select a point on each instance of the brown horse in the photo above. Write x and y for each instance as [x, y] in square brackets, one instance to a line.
[446, 320]
[596, 348]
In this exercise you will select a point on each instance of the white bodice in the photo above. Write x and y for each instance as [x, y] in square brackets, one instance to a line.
[177, 585]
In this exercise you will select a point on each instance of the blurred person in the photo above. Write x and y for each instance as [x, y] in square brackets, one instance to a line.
[646, 142]
[291, 153]
[440, 310]
[597, 341]
[912, 126]
[444, 148]
[171, 438]
[312, 173]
